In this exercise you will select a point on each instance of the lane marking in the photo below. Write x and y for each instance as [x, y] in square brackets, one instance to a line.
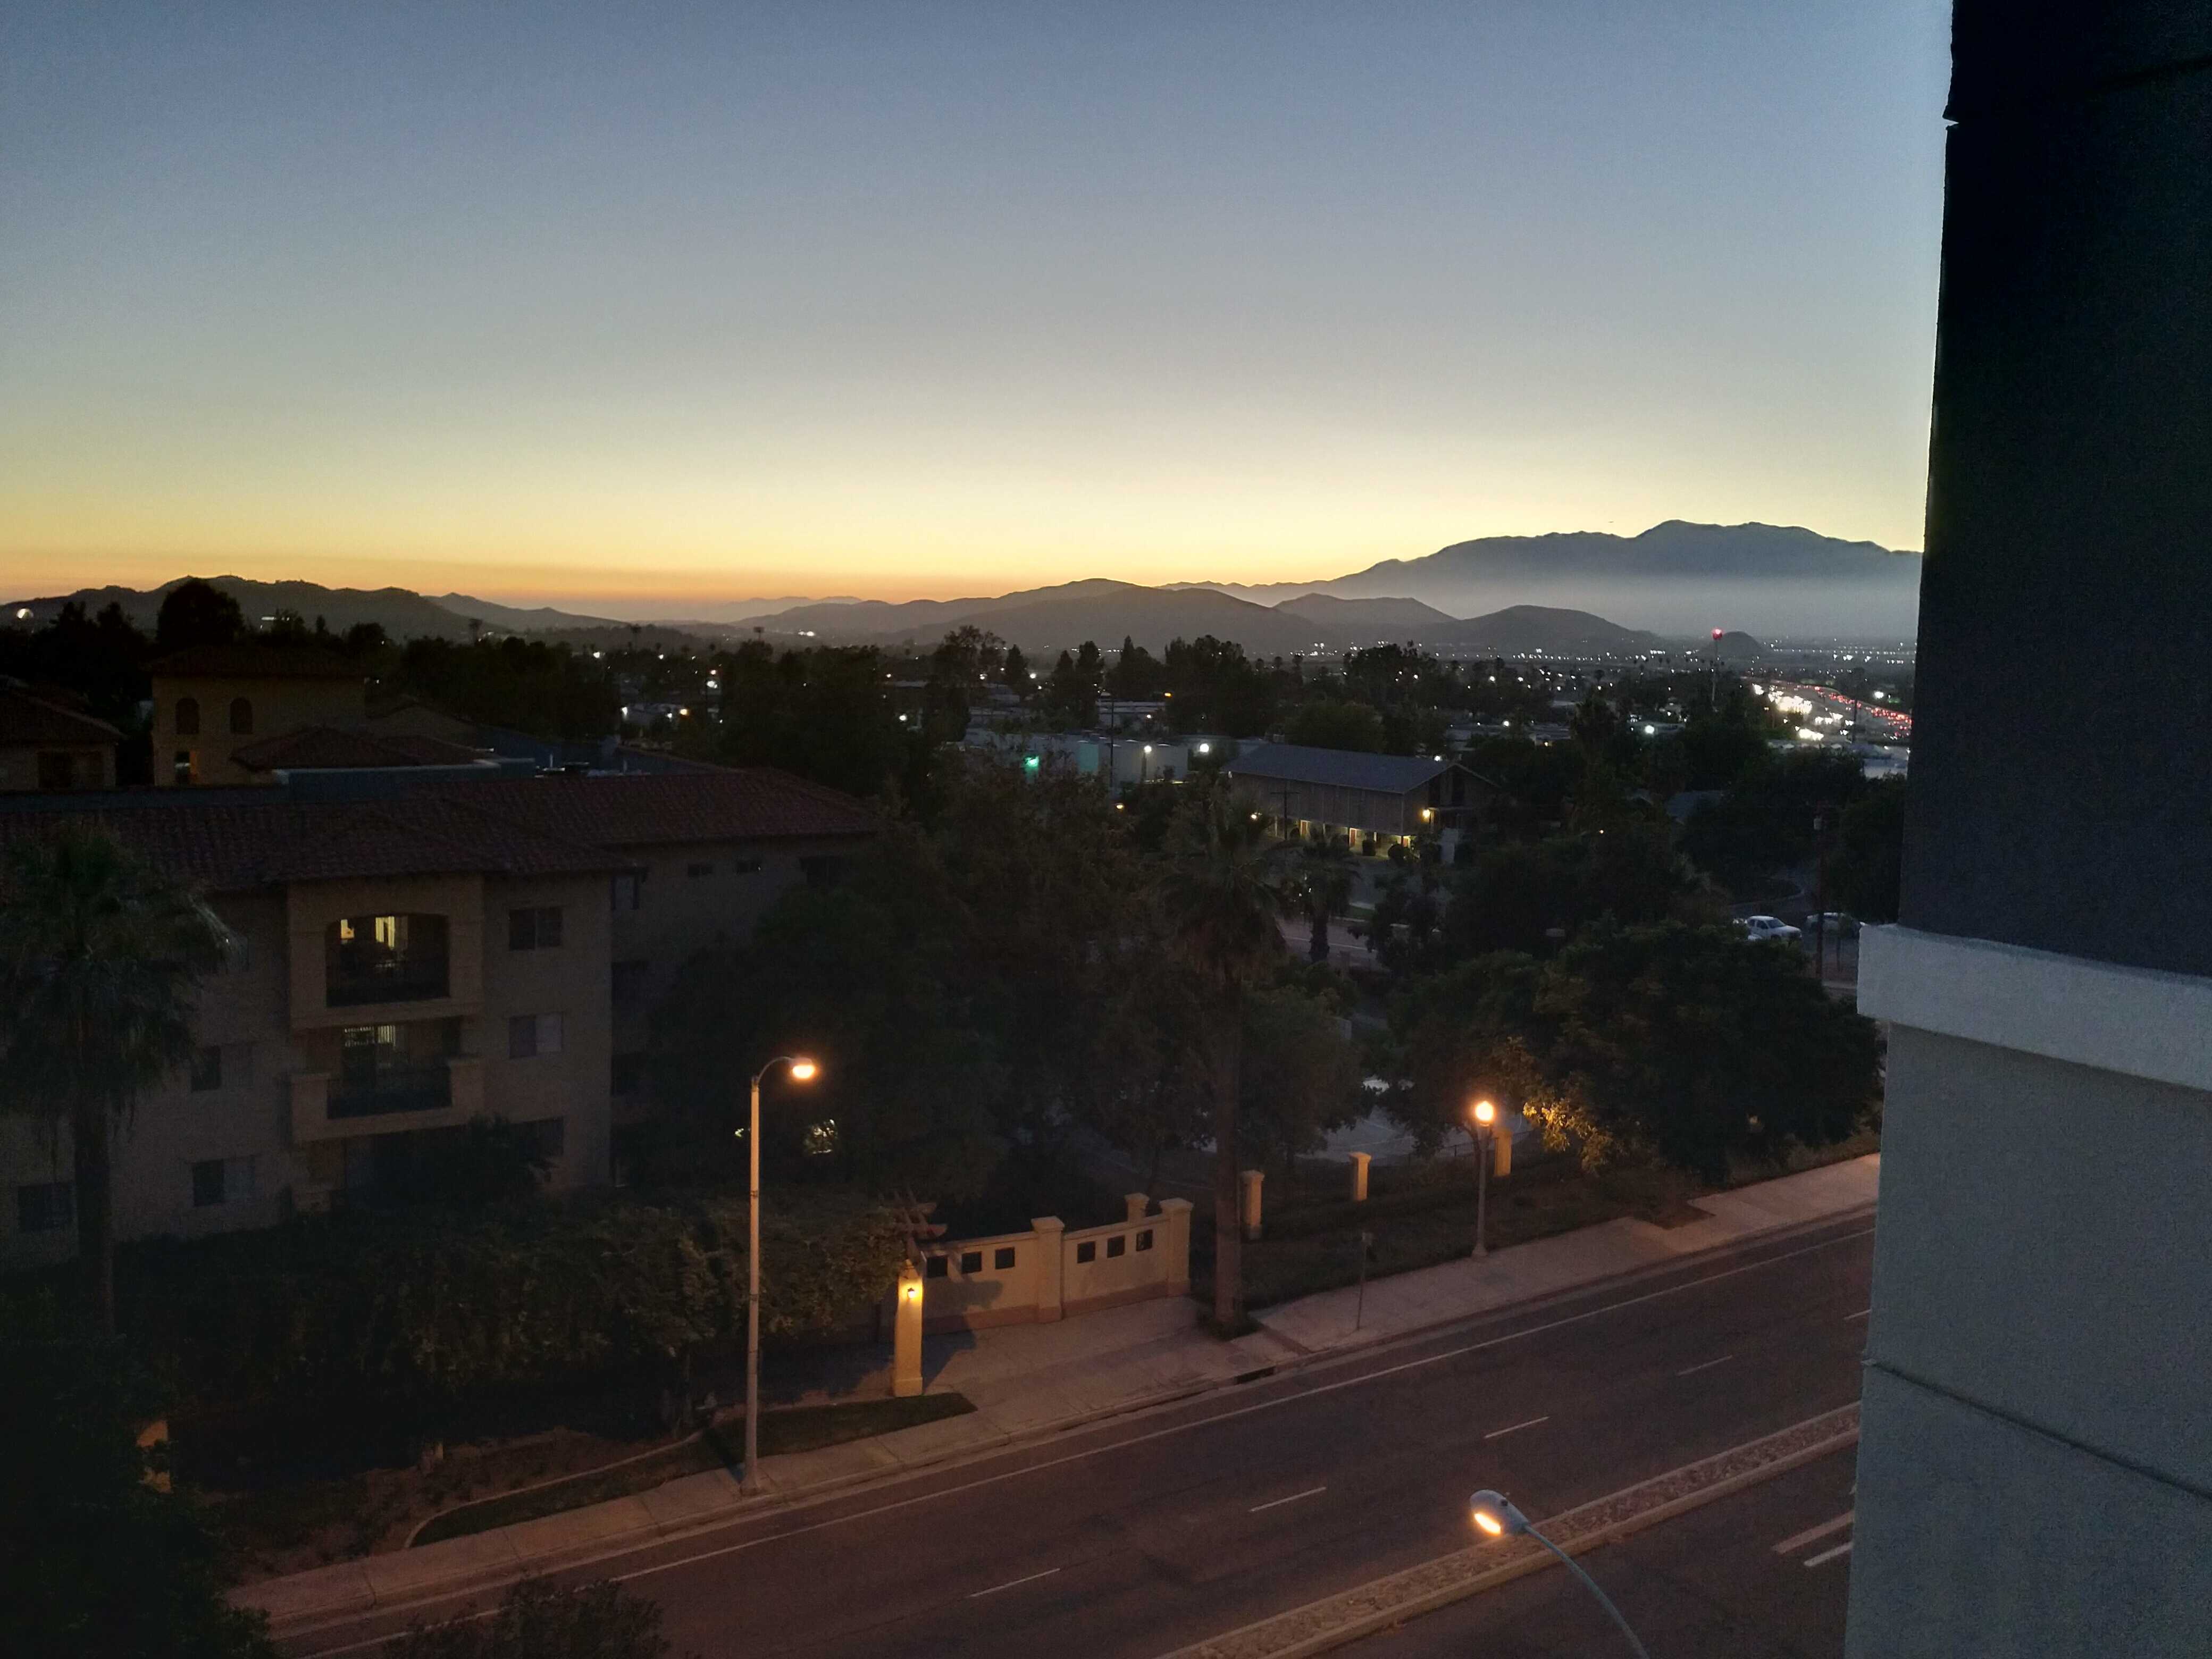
[897, 1505]
[1277, 1502]
[1691, 1370]
[1514, 1427]
[1012, 1582]
[1861, 1313]
[1829, 1555]
[1797, 1540]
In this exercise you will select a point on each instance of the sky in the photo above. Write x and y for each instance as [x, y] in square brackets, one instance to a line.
[638, 304]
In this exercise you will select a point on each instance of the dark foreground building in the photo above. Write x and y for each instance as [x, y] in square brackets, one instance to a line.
[2036, 1474]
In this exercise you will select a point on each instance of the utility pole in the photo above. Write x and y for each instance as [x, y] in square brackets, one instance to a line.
[1820, 898]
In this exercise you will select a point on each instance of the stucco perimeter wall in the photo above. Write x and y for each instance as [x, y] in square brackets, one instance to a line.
[1048, 1272]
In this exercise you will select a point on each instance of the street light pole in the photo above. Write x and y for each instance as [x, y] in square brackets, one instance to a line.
[1494, 1516]
[804, 1071]
[1484, 1116]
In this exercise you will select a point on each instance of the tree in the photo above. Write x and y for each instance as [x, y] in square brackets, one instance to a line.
[1301, 1074]
[1323, 724]
[1222, 906]
[195, 613]
[1016, 671]
[1868, 865]
[98, 955]
[1465, 1033]
[1691, 1045]
[1322, 886]
[1516, 893]
[98, 1558]
[1071, 697]
[537, 1620]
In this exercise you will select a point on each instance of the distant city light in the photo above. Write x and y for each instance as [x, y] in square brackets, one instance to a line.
[1650, 731]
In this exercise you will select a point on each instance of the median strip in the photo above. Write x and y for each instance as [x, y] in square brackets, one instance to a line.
[1366, 1609]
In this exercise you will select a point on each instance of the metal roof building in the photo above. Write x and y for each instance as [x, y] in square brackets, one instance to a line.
[1332, 791]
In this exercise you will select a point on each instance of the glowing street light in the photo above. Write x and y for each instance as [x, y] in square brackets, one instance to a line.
[802, 1071]
[1484, 1116]
[1495, 1516]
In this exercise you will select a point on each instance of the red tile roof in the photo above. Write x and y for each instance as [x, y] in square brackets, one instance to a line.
[667, 808]
[256, 662]
[26, 717]
[324, 748]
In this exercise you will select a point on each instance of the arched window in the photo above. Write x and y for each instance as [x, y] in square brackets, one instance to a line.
[188, 717]
[241, 717]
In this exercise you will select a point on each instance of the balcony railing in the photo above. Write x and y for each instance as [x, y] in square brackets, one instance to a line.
[409, 1089]
[401, 979]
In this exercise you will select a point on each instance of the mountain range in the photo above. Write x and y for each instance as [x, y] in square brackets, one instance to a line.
[1502, 594]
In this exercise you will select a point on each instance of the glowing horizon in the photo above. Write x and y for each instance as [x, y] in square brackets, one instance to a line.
[918, 301]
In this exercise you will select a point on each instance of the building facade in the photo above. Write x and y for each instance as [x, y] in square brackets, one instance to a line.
[213, 700]
[2035, 1475]
[406, 965]
[1373, 799]
[46, 744]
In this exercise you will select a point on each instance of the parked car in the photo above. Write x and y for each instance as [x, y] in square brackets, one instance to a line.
[1769, 928]
[1835, 924]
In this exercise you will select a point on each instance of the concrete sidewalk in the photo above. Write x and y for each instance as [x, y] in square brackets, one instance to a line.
[1027, 1380]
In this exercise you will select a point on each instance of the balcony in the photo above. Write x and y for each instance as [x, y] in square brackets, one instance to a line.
[393, 979]
[430, 1096]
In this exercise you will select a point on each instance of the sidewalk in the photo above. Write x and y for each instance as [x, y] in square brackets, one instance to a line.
[1026, 1381]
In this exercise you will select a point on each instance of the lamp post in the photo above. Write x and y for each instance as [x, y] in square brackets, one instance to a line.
[802, 1071]
[1484, 1116]
[1495, 1518]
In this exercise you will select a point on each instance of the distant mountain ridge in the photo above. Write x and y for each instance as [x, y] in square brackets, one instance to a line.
[400, 611]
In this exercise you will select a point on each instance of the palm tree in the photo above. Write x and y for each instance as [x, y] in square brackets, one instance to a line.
[1324, 889]
[1223, 905]
[98, 955]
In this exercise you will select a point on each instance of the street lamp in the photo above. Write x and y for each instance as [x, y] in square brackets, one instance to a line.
[1495, 1518]
[802, 1071]
[1485, 1114]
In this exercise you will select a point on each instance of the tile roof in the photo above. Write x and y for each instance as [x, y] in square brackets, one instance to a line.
[26, 717]
[230, 847]
[543, 825]
[646, 809]
[313, 748]
[1389, 774]
[249, 662]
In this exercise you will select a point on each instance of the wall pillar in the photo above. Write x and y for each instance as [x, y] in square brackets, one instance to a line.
[906, 1335]
[1139, 1203]
[1359, 1162]
[1252, 1180]
[1176, 1213]
[1051, 1266]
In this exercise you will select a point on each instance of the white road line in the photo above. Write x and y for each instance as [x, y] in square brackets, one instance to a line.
[1828, 1555]
[744, 1545]
[1511, 1427]
[1797, 1540]
[1277, 1502]
[1010, 1582]
[1691, 1370]
[1861, 1313]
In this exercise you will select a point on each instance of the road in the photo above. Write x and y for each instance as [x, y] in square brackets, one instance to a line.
[1762, 1574]
[1135, 1537]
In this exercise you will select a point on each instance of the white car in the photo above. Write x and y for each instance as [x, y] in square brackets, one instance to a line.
[1768, 927]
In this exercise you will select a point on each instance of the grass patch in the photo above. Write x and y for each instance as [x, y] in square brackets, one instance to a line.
[805, 1428]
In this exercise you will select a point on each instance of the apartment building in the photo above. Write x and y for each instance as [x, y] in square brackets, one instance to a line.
[213, 700]
[48, 743]
[457, 949]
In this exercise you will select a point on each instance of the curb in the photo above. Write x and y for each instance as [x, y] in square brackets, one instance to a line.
[1366, 1609]
[500, 1562]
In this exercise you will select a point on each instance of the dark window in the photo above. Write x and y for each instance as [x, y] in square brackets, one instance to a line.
[1087, 1251]
[394, 959]
[823, 870]
[241, 718]
[629, 889]
[971, 1261]
[58, 771]
[549, 1135]
[535, 929]
[207, 1070]
[531, 1034]
[207, 1183]
[188, 717]
[630, 1073]
[745, 866]
[695, 870]
[1003, 1257]
[1145, 1239]
[1118, 1245]
[630, 978]
[936, 1266]
[47, 1207]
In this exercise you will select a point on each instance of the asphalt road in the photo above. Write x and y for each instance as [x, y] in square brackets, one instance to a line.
[1136, 1536]
[1762, 1574]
